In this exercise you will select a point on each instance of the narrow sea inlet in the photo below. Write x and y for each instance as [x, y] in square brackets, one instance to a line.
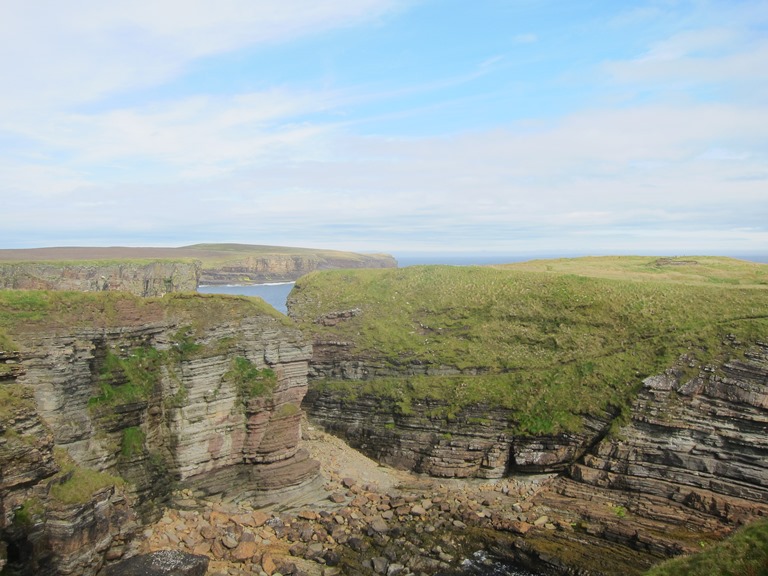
[275, 294]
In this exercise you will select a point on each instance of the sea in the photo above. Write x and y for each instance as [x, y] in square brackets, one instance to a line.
[276, 294]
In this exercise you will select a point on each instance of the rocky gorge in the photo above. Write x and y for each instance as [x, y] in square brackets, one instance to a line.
[131, 426]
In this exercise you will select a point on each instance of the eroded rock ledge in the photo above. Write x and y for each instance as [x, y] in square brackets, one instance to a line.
[164, 393]
[689, 467]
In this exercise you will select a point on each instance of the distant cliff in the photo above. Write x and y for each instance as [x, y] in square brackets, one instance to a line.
[105, 389]
[136, 277]
[158, 271]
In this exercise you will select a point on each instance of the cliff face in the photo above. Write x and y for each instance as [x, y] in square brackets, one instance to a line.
[141, 279]
[181, 391]
[284, 268]
[474, 442]
[158, 271]
[690, 466]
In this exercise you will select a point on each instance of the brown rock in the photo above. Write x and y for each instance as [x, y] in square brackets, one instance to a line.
[268, 564]
[379, 525]
[244, 551]
[218, 550]
[521, 527]
[259, 518]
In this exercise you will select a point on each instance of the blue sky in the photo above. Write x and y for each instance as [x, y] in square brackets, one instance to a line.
[510, 126]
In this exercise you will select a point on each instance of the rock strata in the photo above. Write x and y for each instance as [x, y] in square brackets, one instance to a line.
[142, 279]
[154, 397]
[474, 442]
[689, 468]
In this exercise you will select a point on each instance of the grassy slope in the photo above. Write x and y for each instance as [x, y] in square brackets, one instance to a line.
[743, 554]
[571, 339]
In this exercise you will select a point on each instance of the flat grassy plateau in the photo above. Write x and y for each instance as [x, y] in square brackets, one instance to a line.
[551, 340]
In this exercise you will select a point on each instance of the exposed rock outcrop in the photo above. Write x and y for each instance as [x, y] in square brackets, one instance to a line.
[474, 442]
[143, 279]
[286, 268]
[200, 391]
[690, 466]
[158, 271]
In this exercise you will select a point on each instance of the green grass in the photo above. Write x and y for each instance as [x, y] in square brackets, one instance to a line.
[29, 513]
[686, 270]
[550, 345]
[13, 398]
[128, 379]
[249, 380]
[80, 483]
[41, 311]
[745, 553]
[6, 343]
[132, 442]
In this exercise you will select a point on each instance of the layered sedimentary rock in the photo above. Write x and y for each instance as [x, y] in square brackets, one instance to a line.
[158, 271]
[165, 391]
[143, 279]
[474, 442]
[691, 466]
[286, 268]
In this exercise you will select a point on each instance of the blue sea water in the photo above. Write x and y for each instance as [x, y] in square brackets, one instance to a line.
[275, 293]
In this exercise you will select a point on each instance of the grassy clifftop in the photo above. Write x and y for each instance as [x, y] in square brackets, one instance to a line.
[35, 311]
[211, 263]
[209, 254]
[550, 339]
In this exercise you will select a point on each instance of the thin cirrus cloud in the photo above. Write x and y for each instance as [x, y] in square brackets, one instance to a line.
[529, 144]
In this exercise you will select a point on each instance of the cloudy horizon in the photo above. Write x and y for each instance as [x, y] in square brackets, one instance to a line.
[511, 127]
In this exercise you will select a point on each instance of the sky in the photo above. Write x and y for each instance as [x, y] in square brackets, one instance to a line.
[499, 126]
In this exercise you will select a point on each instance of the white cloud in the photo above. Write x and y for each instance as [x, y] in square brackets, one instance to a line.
[62, 53]
[276, 165]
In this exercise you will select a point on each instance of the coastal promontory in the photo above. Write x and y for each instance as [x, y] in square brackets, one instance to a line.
[156, 271]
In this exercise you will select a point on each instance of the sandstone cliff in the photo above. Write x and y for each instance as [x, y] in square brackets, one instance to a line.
[140, 278]
[689, 467]
[158, 271]
[203, 392]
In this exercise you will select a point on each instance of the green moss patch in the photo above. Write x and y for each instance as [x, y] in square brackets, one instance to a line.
[128, 379]
[745, 553]
[249, 380]
[76, 484]
[132, 442]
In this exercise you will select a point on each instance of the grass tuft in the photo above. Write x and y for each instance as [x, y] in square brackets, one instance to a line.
[249, 380]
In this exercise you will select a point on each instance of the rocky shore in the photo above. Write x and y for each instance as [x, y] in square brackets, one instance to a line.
[363, 518]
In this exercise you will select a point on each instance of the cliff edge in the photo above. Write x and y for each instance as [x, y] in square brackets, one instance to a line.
[109, 400]
[158, 271]
[641, 382]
